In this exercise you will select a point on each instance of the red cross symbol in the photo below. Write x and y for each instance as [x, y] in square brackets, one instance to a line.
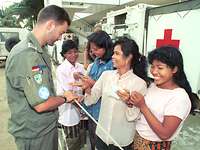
[167, 40]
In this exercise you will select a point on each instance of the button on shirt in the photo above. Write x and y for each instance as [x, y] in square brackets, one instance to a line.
[115, 116]
[68, 113]
[95, 72]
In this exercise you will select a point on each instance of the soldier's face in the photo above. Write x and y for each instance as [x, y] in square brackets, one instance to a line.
[55, 32]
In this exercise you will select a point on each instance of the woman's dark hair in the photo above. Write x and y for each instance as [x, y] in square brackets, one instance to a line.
[68, 45]
[102, 40]
[139, 63]
[172, 57]
[55, 13]
[90, 58]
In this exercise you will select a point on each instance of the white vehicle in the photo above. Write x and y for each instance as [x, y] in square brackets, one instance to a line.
[176, 24]
[6, 33]
[129, 22]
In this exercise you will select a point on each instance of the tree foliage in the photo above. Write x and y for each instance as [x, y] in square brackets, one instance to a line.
[22, 14]
[8, 20]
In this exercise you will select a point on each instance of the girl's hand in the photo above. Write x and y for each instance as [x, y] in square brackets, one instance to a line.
[137, 99]
[87, 82]
[124, 95]
[85, 85]
[70, 96]
[88, 91]
[76, 84]
[80, 98]
[77, 75]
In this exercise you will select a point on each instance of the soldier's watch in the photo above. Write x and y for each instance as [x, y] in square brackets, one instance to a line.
[64, 99]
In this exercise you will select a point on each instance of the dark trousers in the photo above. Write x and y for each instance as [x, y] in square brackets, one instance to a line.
[75, 136]
[92, 133]
[100, 145]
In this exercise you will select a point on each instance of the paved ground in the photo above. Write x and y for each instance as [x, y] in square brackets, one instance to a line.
[6, 140]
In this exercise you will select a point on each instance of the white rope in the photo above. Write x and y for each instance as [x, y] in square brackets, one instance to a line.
[64, 136]
[59, 142]
[98, 125]
[63, 133]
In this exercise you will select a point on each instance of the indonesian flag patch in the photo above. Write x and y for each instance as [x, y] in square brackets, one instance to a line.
[35, 68]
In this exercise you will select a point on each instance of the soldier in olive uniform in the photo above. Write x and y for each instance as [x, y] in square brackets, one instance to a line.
[30, 89]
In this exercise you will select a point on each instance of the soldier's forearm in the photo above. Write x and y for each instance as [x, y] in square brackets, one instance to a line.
[50, 104]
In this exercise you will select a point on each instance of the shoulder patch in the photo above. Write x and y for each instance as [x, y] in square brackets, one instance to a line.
[35, 68]
[43, 92]
[38, 78]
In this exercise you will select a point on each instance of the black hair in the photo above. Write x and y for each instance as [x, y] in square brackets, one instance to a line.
[195, 103]
[90, 58]
[139, 63]
[68, 45]
[172, 57]
[102, 40]
[11, 42]
[54, 12]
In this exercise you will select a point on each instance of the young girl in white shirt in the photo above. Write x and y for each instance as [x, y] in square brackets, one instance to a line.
[166, 105]
[69, 116]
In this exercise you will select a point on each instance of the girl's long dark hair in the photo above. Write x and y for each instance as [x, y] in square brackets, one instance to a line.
[139, 63]
[172, 57]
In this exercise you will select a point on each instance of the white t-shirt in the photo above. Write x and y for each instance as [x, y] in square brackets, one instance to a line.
[164, 102]
[68, 113]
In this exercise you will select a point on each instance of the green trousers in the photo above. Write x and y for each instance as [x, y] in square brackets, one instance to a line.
[46, 142]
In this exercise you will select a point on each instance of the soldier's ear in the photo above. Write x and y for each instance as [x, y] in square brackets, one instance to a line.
[50, 25]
